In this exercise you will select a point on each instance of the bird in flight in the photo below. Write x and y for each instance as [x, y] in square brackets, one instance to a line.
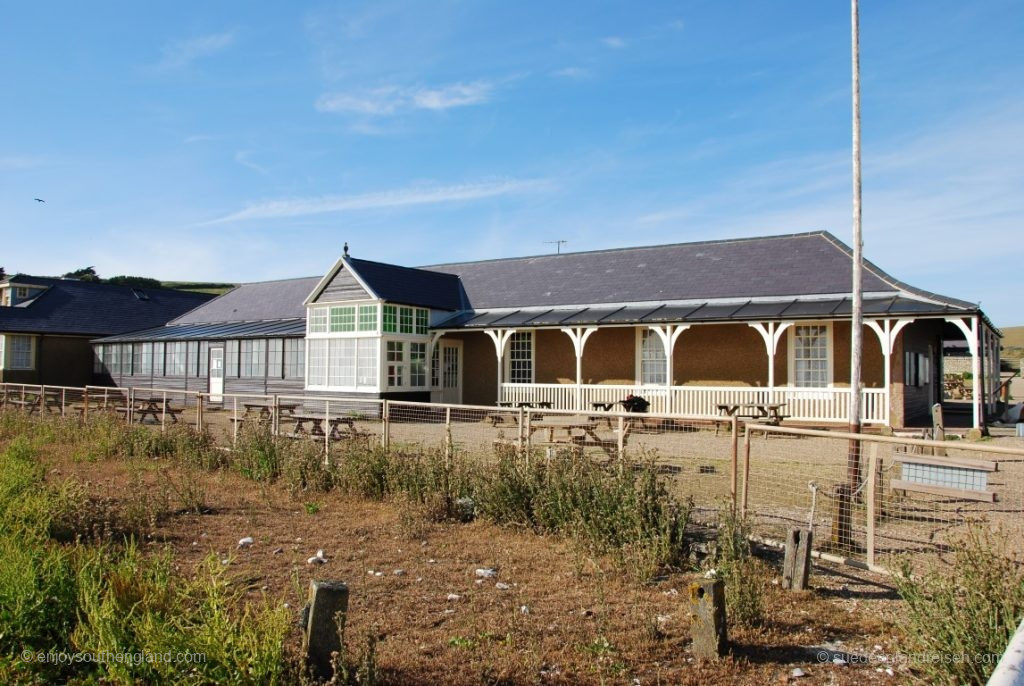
[39, 200]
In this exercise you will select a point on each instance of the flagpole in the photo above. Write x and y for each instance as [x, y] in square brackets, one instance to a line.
[857, 317]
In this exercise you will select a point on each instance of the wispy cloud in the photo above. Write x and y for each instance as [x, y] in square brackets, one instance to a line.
[614, 42]
[200, 138]
[19, 162]
[182, 53]
[388, 100]
[243, 157]
[576, 73]
[405, 197]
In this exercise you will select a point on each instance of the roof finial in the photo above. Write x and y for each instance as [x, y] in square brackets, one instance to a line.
[346, 249]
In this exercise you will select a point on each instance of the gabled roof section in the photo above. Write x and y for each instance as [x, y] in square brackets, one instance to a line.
[391, 283]
[211, 332]
[86, 308]
[791, 265]
[250, 302]
[27, 280]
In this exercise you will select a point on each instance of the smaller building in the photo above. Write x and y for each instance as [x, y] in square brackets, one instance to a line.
[46, 324]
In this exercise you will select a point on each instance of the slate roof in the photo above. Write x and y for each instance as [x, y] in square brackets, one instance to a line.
[802, 264]
[411, 286]
[251, 302]
[95, 309]
[215, 331]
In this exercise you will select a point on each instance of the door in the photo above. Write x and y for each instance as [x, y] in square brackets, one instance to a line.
[216, 374]
[451, 372]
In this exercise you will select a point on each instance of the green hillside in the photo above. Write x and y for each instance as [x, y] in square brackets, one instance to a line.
[199, 287]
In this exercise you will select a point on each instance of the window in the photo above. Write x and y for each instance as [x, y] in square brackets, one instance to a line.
[653, 363]
[422, 322]
[193, 358]
[20, 292]
[231, 359]
[204, 359]
[342, 362]
[418, 364]
[810, 356]
[317, 362]
[275, 350]
[176, 358]
[916, 369]
[97, 357]
[318, 320]
[158, 359]
[114, 362]
[126, 358]
[144, 359]
[253, 359]
[405, 320]
[367, 317]
[367, 369]
[137, 359]
[294, 358]
[520, 357]
[343, 319]
[435, 366]
[390, 319]
[20, 353]
[396, 363]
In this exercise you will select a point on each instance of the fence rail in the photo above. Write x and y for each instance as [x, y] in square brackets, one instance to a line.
[905, 497]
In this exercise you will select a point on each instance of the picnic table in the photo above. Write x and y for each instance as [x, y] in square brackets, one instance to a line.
[771, 413]
[262, 412]
[579, 432]
[544, 404]
[316, 426]
[155, 406]
[35, 401]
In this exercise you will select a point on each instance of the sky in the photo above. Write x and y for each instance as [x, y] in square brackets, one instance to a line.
[241, 141]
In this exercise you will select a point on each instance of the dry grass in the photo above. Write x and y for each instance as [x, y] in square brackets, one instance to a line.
[585, 621]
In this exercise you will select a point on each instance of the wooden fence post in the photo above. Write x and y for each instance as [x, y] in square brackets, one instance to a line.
[327, 431]
[707, 619]
[448, 447]
[385, 434]
[328, 605]
[871, 509]
[85, 404]
[796, 565]
[199, 412]
[746, 470]
[734, 467]
[842, 509]
[621, 438]
[519, 434]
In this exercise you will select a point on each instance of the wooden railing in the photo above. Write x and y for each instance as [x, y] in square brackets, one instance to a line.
[802, 404]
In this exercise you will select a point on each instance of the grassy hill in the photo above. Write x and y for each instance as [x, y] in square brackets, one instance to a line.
[1013, 345]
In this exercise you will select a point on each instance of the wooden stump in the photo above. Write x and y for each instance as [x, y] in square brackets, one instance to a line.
[796, 566]
[707, 619]
[842, 517]
[328, 603]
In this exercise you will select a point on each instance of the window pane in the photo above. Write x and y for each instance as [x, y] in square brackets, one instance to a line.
[653, 362]
[97, 357]
[367, 317]
[422, 322]
[294, 358]
[253, 359]
[145, 360]
[275, 350]
[435, 366]
[810, 356]
[342, 363]
[318, 320]
[158, 359]
[343, 319]
[204, 359]
[520, 357]
[20, 354]
[367, 368]
[418, 364]
[396, 363]
[405, 320]
[231, 359]
[390, 317]
[317, 362]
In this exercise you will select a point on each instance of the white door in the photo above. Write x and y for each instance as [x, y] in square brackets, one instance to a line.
[216, 374]
[451, 372]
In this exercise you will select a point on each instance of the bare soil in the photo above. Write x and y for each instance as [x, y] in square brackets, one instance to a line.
[566, 618]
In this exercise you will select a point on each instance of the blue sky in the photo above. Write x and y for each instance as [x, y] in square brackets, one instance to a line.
[242, 141]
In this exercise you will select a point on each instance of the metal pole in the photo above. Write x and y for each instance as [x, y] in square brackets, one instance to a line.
[746, 470]
[327, 431]
[857, 317]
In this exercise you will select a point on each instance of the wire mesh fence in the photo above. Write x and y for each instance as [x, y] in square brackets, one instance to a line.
[899, 498]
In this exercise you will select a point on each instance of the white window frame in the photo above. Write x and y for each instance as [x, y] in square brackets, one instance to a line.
[507, 361]
[3, 351]
[643, 332]
[829, 353]
[10, 352]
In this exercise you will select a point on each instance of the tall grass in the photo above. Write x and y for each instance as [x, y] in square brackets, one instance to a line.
[744, 575]
[959, 619]
[81, 599]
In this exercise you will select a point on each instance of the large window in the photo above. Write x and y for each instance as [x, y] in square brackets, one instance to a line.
[317, 362]
[810, 356]
[294, 358]
[318, 320]
[204, 359]
[144, 359]
[422, 322]
[396, 363]
[405, 320]
[193, 358]
[20, 352]
[137, 358]
[367, 364]
[114, 359]
[253, 359]
[343, 319]
[176, 358]
[367, 317]
[520, 357]
[231, 359]
[275, 357]
[653, 363]
[418, 364]
[390, 319]
[342, 362]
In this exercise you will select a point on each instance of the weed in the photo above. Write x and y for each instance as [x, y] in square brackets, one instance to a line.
[743, 574]
[311, 507]
[964, 614]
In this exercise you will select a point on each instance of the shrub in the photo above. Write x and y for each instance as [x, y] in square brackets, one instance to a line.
[965, 614]
[743, 574]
